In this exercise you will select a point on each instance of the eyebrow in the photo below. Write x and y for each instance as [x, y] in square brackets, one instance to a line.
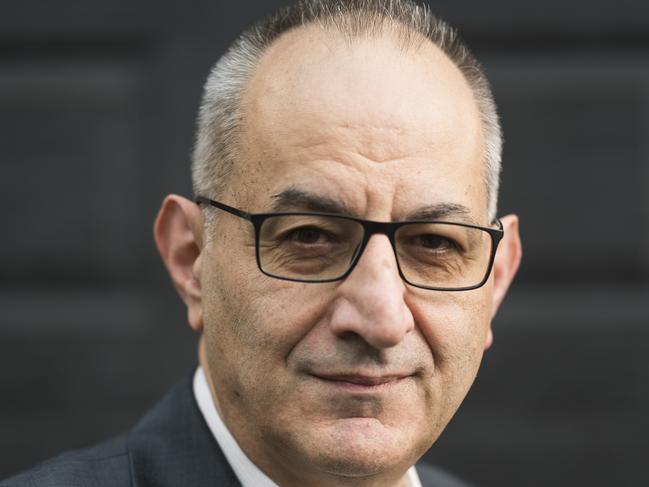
[441, 211]
[294, 199]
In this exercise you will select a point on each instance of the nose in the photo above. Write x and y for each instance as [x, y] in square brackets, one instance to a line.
[371, 302]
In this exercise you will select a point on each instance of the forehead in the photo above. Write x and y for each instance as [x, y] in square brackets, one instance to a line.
[361, 116]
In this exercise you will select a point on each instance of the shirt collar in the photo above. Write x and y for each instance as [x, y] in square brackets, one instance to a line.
[247, 472]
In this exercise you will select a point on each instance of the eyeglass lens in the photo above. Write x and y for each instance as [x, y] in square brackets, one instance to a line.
[320, 248]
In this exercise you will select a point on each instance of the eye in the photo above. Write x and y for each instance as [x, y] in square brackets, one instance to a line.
[435, 242]
[306, 235]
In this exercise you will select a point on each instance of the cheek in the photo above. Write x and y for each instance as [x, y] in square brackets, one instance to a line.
[455, 325]
[251, 331]
[227, 312]
[278, 313]
[252, 321]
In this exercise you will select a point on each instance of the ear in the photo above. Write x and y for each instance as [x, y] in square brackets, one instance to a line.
[506, 262]
[178, 234]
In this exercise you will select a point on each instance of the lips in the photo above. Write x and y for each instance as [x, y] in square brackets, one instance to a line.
[361, 381]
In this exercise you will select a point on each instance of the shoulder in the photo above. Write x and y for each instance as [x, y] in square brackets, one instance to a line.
[106, 464]
[170, 446]
[431, 476]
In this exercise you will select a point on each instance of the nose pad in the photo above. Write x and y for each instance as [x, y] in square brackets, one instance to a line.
[371, 300]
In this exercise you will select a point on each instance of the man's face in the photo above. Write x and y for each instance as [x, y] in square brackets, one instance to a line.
[360, 376]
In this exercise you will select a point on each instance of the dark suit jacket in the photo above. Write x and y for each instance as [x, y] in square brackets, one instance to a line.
[171, 446]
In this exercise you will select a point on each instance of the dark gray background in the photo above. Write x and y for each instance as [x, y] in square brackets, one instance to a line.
[97, 102]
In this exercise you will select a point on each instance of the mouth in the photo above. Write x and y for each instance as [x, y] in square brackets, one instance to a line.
[361, 382]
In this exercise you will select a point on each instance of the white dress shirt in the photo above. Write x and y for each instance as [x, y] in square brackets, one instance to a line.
[247, 472]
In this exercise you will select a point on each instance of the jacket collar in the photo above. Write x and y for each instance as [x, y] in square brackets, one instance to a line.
[172, 445]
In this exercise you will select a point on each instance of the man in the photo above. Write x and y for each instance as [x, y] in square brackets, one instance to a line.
[342, 260]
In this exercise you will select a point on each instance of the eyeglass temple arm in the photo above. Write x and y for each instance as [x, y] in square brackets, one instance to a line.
[221, 206]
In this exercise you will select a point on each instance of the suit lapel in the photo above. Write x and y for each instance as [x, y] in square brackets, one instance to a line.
[172, 445]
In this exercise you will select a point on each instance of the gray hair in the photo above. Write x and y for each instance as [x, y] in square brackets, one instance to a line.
[220, 116]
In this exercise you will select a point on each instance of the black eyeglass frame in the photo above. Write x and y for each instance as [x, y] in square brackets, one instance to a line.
[369, 228]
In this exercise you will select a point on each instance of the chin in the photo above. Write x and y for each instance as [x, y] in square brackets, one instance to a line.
[362, 447]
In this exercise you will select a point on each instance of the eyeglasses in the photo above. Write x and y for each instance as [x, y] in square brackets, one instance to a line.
[323, 247]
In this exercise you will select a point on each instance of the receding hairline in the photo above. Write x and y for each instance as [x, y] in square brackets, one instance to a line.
[406, 37]
[399, 35]
[285, 49]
